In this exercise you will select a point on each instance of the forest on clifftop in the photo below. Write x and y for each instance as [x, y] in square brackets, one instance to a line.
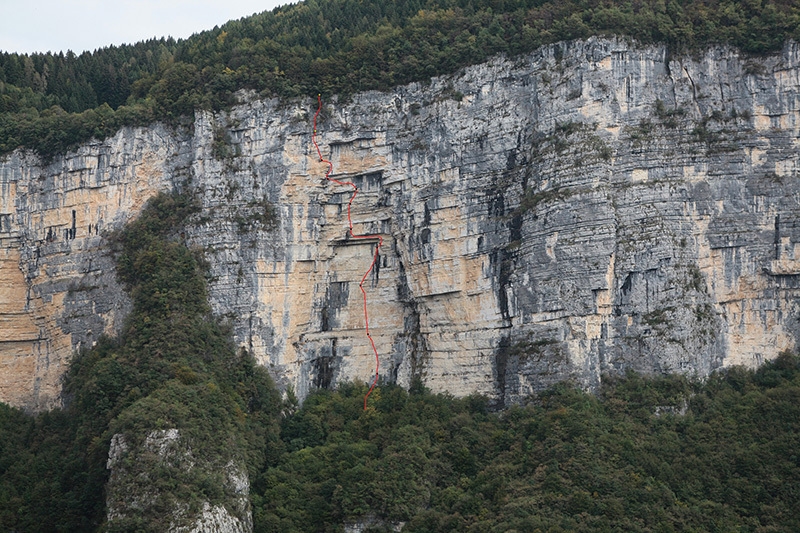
[52, 102]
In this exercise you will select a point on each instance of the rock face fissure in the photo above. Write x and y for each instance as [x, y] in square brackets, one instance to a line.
[588, 208]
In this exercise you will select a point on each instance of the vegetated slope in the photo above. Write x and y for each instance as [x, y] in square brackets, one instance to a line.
[51, 102]
[650, 454]
[173, 366]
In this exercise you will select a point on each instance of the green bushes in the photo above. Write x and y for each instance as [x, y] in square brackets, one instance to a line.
[49, 102]
[624, 461]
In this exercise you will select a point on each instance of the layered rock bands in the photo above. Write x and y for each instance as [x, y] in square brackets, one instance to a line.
[592, 207]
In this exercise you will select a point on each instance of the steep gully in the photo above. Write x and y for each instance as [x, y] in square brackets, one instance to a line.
[354, 236]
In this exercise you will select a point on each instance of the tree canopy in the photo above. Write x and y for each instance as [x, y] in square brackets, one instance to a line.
[657, 454]
[51, 102]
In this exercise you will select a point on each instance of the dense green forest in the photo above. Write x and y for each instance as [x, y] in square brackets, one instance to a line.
[51, 102]
[644, 454]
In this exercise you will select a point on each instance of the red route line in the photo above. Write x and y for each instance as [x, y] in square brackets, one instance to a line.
[354, 236]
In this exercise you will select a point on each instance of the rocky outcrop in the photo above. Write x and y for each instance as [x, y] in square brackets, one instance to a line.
[161, 483]
[588, 208]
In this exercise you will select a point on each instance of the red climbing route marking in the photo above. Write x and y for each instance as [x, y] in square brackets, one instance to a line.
[354, 236]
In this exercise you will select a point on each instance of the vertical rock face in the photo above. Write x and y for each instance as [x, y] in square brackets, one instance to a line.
[58, 290]
[591, 207]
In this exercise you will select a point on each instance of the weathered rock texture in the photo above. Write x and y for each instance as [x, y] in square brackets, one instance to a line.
[591, 207]
[146, 478]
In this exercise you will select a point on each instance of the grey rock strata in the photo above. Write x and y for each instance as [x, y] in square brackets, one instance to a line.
[591, 207]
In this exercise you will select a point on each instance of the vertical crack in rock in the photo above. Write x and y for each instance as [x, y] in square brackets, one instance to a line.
[501, 367]
[410, 346]
[323, 368]
[336, 297]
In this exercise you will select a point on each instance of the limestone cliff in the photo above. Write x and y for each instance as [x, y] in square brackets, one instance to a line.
[591, 207]
[136, 487]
